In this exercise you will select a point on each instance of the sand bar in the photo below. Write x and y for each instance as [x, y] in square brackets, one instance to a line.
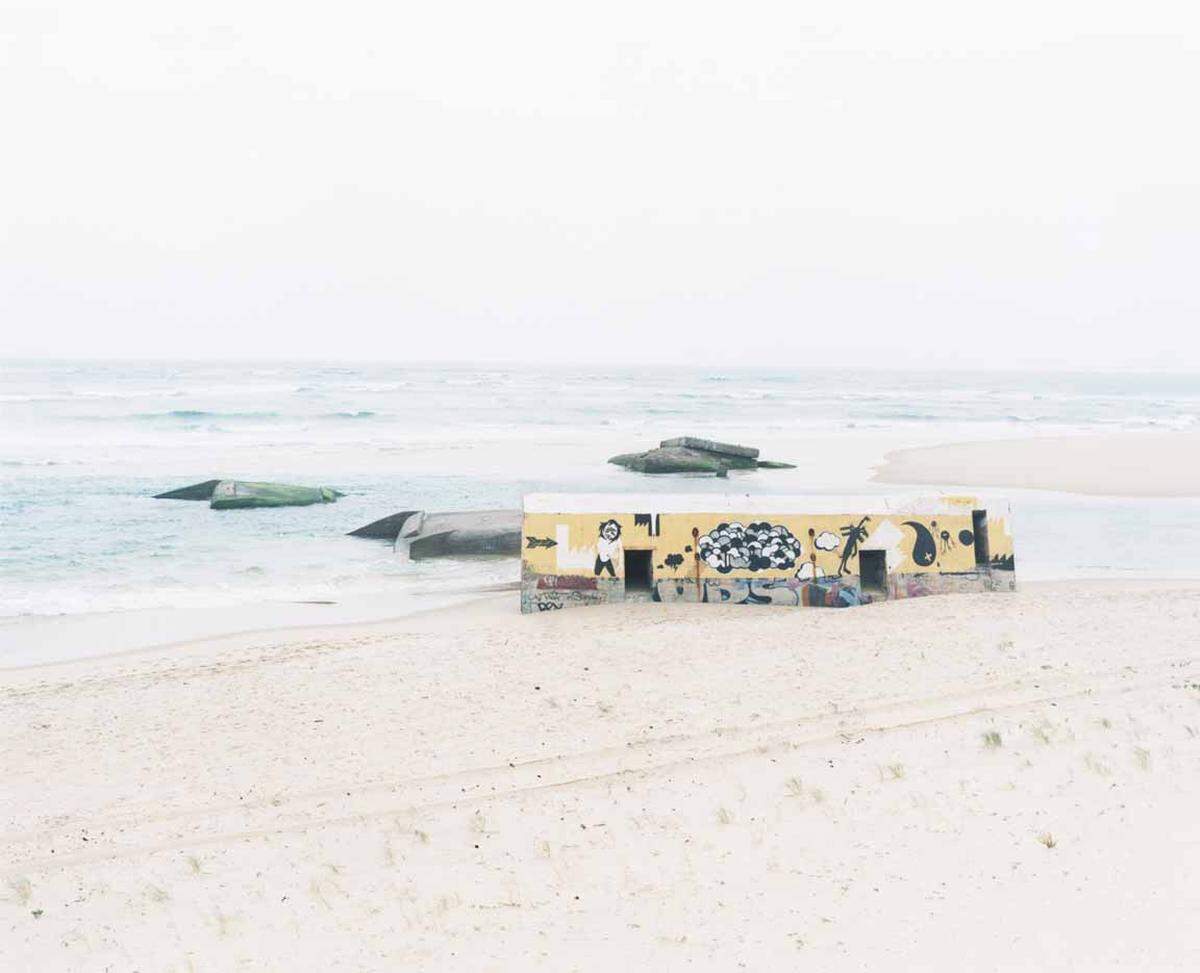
[953, 782]
[1127, 464]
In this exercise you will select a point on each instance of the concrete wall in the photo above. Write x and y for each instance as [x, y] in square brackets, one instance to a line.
[789, 558]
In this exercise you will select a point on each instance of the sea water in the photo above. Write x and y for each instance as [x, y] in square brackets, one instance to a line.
[85, 445]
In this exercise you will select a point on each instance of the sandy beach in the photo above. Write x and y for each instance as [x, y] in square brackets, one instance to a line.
[1126, 464]
[971, 781]
[500, 488]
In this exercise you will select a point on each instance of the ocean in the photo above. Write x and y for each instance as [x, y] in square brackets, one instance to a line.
[85, 445]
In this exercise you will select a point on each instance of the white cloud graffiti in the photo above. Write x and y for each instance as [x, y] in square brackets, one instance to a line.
[827, 541]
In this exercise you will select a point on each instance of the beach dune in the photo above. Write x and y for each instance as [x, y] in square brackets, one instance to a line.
[962, 782]
[1122, 464]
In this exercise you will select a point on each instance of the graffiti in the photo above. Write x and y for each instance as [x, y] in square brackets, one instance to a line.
[854, 534]
[887, 537]
[578, 557]
[568, 557]
[754, 547]
[924, 550]
[565, 582]
[649, 521]
[828, 593]
[827, 541]
[910, 586]
[608, 547]
[810, 571]
[748, 596]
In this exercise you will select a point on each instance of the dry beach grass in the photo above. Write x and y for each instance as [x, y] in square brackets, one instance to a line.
[974, 781]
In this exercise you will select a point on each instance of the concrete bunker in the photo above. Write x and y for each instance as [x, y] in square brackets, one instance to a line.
[581, 549]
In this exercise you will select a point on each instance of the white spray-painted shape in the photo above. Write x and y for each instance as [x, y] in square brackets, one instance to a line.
[887, 537]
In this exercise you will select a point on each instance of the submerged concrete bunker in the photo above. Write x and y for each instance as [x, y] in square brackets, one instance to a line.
[458, 533]
[830, 552]
[241, 494]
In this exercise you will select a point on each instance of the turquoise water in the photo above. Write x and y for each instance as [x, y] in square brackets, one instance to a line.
[83, 446]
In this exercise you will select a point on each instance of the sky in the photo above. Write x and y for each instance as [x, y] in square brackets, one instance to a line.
[872, 184]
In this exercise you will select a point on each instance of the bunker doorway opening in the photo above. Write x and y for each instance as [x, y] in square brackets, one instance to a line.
[979, 527]
[639, 570]
[872, 571]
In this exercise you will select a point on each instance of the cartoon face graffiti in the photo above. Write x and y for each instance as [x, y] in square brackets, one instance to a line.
[608, 548]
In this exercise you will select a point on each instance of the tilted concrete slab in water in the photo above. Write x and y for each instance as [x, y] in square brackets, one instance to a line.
[456, 533]
[197, 491]
[237, 494]
[386, 528]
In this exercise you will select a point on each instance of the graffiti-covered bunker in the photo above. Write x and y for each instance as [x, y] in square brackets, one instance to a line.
[582, 549]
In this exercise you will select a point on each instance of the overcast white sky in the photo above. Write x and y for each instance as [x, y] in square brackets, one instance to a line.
[793, 183]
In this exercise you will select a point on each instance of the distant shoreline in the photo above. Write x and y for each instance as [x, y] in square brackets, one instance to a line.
[1133, 464]
[37, 641]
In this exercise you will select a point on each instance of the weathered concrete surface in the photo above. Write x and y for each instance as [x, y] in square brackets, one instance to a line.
[236, 494]
[711, 446]
[386, 528]
[687, 454]
[197, 491]
[453, 534]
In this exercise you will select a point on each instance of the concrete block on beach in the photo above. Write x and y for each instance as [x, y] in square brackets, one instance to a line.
[710, 446]
[691, 454]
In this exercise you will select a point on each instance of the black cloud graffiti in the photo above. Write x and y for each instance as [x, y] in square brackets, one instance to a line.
[753, 547]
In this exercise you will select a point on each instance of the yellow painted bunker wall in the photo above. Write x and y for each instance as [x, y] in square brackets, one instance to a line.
[925, 554]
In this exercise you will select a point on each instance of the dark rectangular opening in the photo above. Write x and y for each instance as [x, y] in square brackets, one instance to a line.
[639, 572]
[983, 552]
[872, 570]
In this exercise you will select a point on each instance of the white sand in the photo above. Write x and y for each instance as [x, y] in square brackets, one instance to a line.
[627, 787]
[1126, 464]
